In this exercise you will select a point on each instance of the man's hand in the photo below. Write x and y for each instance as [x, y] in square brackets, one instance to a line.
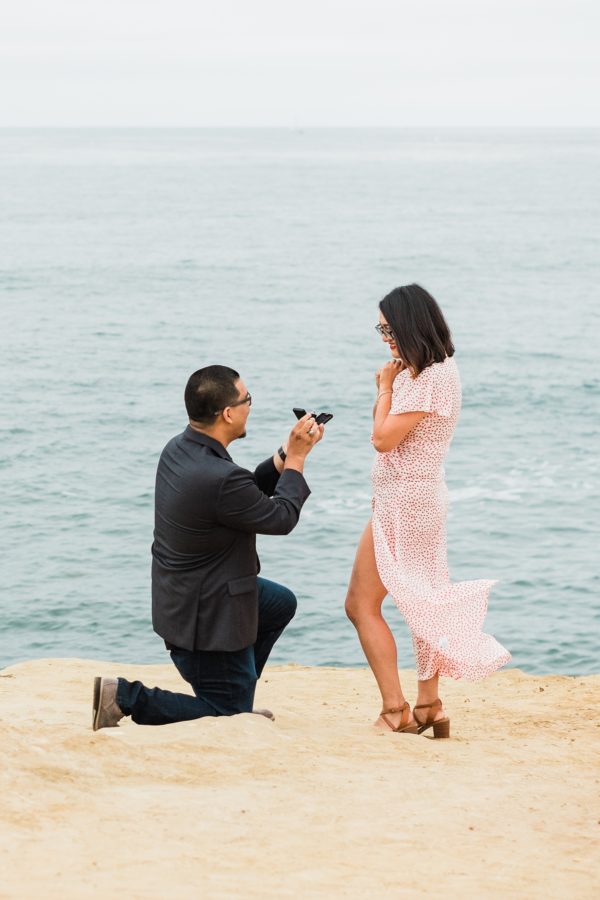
[303, 437]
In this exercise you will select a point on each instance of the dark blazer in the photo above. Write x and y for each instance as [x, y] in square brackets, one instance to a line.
[208, 512]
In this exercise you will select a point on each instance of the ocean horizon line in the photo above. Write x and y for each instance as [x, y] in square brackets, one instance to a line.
[301, 128]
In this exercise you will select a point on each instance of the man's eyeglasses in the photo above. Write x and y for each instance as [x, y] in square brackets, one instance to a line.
[384, 330]
[247, 399]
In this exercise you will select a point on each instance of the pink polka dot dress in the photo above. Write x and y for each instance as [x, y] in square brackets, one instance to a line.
[410, 505]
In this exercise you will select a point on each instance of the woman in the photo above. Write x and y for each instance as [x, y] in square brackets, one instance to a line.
[403, 548]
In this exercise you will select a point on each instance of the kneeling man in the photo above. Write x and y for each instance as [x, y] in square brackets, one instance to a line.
[219, 620]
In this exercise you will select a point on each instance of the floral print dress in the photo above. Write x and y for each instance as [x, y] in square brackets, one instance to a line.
[410, 506]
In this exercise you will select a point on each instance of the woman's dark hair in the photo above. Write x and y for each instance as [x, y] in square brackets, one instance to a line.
[208, 391]
[420, 330]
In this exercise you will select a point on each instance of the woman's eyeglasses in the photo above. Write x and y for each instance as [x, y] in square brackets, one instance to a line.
[384, 330]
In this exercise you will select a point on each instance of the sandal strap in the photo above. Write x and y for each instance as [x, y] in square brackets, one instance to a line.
[395, 709]
[404, 709]
[433, 709]
[437, 702]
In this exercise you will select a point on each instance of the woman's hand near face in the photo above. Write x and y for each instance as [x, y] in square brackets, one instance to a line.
[386, 375]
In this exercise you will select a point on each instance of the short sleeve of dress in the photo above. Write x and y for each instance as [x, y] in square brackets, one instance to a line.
[429, 392]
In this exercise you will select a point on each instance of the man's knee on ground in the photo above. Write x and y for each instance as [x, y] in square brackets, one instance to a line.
[289, 603]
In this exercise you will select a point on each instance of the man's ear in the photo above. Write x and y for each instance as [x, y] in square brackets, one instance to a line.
[226, 413]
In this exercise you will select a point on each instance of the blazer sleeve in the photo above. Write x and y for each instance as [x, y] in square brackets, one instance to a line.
[243, 506]
[267, 476]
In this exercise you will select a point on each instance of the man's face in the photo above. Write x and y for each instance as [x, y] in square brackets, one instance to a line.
[241, 409]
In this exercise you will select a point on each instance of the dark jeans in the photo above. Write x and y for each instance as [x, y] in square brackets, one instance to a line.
[223, 682]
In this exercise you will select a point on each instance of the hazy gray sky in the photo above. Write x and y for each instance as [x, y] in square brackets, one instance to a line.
[311, 62]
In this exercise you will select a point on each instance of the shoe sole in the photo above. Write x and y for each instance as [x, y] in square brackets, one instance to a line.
[96, 702]
[264, 712]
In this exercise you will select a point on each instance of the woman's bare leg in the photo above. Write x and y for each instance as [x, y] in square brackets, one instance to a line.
[363, 607]
[427, 692]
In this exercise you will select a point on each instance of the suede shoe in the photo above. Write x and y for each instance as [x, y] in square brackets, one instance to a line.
[107, 711]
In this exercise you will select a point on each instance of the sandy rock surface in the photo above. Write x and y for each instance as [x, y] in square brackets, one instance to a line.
[316, 804]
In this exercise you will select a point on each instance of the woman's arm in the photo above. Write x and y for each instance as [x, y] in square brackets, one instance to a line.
[389, 430]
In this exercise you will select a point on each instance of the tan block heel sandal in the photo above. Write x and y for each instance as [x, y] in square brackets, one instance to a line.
[441, 727]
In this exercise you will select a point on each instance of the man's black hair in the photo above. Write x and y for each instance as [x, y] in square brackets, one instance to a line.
[208, 391]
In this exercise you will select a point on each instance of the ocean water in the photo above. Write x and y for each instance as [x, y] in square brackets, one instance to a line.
[131, 258]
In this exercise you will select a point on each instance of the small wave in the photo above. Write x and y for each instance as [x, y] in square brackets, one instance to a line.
[506, 495]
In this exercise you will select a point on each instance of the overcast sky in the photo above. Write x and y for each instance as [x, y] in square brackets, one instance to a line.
[311, 62]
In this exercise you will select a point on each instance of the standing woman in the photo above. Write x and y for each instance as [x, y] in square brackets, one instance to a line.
[402, 551]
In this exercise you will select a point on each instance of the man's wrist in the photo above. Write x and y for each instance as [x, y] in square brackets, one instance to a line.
[296, 455]
[295, 462]
[282, 454]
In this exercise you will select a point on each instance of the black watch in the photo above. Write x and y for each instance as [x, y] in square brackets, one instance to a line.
[282, 454]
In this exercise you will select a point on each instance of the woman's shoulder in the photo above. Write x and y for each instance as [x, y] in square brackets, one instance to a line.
[434, 390]
[440, 371]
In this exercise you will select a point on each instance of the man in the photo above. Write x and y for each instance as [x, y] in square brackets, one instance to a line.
[218, 618]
